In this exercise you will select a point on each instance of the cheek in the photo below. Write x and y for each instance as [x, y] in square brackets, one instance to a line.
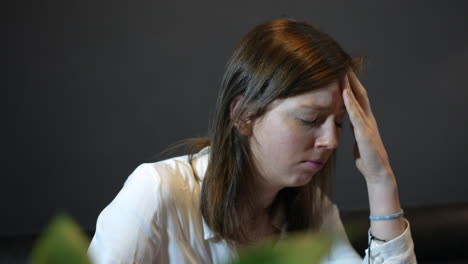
[291, 139]
[301, 134]
[273, 137]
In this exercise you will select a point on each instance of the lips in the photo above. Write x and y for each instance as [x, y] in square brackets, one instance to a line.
[314, 164]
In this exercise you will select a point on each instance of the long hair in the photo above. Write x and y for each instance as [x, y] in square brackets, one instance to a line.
[277, 59]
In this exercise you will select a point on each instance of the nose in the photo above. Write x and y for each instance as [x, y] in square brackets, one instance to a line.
[329, 136]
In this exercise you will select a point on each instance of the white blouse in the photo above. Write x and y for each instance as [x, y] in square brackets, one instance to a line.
[155, 218]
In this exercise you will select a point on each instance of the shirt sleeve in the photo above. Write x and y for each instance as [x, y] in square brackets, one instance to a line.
[125, 229]
[396, 251]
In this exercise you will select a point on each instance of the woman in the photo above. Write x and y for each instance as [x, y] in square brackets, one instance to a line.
[264, 169]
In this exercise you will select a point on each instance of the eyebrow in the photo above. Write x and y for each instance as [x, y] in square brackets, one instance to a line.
[321, 108]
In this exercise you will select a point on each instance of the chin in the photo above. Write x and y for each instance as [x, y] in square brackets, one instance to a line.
[301, 180]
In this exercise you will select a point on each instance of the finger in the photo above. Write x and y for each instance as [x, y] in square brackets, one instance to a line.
[353, 108]
[356, 116]
[359, 91]
[355, 113]
[357, 155]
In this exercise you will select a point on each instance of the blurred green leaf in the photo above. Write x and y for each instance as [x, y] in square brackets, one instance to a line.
[61, 242]
[302, 248]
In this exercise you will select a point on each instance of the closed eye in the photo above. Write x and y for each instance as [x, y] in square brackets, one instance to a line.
[309, 122]
[316, 121]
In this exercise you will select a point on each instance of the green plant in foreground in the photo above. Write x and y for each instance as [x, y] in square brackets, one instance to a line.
[302, 248]
[61, 242]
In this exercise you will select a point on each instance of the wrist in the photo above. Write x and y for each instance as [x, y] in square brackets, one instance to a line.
[386, 217]
[383, 178]
[383, 198]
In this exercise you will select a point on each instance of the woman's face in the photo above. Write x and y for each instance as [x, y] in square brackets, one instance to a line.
[294, 139]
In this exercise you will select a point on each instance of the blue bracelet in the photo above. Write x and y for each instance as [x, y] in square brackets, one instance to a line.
[386, 217]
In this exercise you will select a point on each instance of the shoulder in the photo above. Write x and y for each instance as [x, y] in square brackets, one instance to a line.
[168, 178]
[134, 225]
[152, 186]
[171, 178]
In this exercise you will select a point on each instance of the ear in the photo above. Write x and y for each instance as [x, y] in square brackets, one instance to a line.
[243, 125]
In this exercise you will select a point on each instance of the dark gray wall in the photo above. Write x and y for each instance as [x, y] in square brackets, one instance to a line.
[95, 88]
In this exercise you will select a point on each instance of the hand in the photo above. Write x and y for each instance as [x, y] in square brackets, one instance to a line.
[369, 152]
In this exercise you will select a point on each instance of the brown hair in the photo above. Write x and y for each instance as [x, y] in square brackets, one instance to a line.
[277, 59]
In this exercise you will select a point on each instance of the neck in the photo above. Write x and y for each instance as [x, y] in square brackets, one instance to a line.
[262, 195]
[257, 217]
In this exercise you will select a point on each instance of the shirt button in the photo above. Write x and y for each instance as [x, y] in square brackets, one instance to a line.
[379, 260]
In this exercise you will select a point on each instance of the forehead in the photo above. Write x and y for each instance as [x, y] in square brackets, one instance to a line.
[325, 98]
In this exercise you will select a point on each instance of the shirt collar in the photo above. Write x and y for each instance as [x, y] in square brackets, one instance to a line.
[207, 233]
